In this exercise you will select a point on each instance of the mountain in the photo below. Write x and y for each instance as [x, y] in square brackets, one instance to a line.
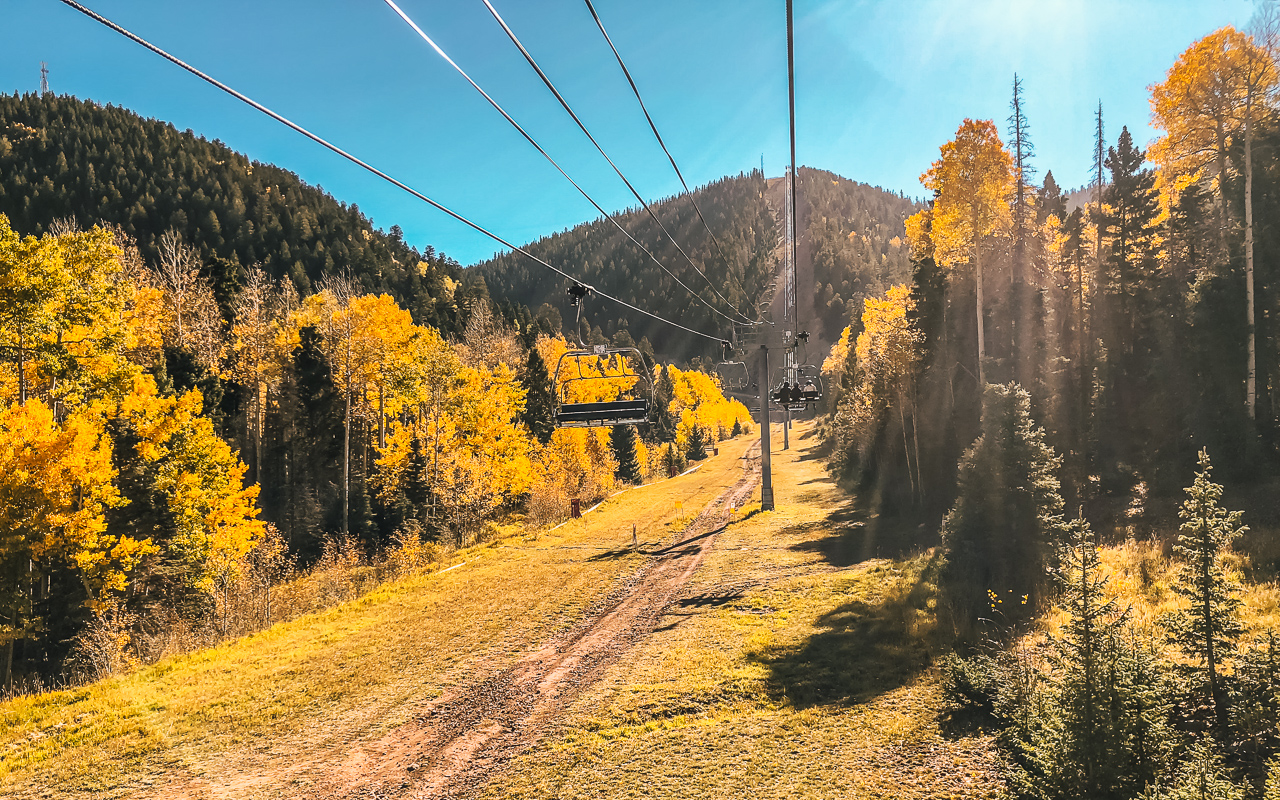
[852, 245]
[61, 157]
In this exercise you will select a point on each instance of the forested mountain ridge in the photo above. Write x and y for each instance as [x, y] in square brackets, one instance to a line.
[856, 241]
[61, 157]
[858, 246]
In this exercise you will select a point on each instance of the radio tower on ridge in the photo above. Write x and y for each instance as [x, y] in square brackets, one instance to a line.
[44, 79]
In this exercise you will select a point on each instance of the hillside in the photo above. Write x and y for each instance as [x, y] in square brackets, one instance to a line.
[61, 157]
[856, 243]
[561, 664]
[854, 231]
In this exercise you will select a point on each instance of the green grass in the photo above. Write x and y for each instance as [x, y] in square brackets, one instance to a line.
[300, 688]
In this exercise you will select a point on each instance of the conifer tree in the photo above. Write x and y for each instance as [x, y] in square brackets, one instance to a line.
[1207, 630]
[663, 428]
[696, 447]
[539, 407]
[1203, 776]
[622, 441]
[1006, 523]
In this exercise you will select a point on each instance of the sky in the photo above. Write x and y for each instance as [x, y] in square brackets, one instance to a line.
[880, 85]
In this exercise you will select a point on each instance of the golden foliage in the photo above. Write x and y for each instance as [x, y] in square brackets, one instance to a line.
[697, 401]
[1203, 103]
[972, 180]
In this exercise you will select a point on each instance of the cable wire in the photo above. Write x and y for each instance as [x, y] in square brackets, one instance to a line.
[795, 177]
[334, 148]
[565, 104]
[548, 157]
[653, 127]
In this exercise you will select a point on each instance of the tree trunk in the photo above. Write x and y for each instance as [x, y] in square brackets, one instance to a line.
[346, 463]
[1251, 382]
[982, 339]
[258, 414]
[915, 435]
[1222, 189]
[382, 418]
[22, 371]
[906, 449]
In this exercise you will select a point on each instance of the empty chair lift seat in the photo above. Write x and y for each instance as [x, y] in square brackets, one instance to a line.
[597, 415]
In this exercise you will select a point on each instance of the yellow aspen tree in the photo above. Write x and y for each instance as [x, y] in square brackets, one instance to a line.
[214, 513]
[255, 361]
[887, 352]
[1213, 93]
[971, 182]
[32, 278]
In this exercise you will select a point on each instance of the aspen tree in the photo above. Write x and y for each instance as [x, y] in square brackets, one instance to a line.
[971, 182]
[1215, 92]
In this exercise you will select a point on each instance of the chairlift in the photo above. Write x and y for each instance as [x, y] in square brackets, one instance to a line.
[798, 388]
[632, 405]
[733, 375]
[630, 408]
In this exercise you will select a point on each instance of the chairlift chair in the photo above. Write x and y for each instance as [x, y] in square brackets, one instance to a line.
[733, 375]
[630, 408]
[799, 387]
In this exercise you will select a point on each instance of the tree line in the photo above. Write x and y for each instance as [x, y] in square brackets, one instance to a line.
[1049, 361]
[153, 451]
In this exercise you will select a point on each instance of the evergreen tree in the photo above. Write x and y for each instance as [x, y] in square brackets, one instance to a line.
[1002, 532]
[672, 459]
[622, 441]
[314, 442]
[1098, 729]
[1207, 630]
[539, 408]
[663, 426]
[1203, 776]
[695, 448]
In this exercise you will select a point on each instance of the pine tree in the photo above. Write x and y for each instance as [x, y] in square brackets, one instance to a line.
[1203, 776]
[663, 427]
[1207, 630]
[696, 447]
[539, 408]
[1007, 520]
[1020, 147]
[1127, 226]
[622, 441]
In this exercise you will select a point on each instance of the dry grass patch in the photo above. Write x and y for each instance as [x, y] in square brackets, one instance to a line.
[793, 666]
[273, 702]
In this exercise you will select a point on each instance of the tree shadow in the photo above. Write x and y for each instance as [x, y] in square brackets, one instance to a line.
[863, 650]
[711, 599]
[856, 534]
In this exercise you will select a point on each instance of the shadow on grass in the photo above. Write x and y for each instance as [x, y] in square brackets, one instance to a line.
[679, 548]
[712, 599]
[855, 534]
[863, 650]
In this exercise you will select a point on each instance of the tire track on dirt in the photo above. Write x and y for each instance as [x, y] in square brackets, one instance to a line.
[463, 739]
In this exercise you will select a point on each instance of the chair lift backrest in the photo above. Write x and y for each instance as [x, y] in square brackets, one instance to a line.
[620, 411]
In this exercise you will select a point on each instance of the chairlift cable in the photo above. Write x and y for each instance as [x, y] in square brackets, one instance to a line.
[366, 166]
[548, 157]
[653, 127]
[565, 104]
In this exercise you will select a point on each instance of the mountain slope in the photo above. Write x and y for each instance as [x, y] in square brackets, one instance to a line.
[62, 157]
[852, 246]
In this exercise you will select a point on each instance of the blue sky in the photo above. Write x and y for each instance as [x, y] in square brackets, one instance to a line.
[880, 85]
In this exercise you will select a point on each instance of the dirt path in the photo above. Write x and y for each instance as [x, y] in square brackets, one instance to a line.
[462, 739]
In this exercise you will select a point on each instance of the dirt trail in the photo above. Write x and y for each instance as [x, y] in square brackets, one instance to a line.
[463, 738]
